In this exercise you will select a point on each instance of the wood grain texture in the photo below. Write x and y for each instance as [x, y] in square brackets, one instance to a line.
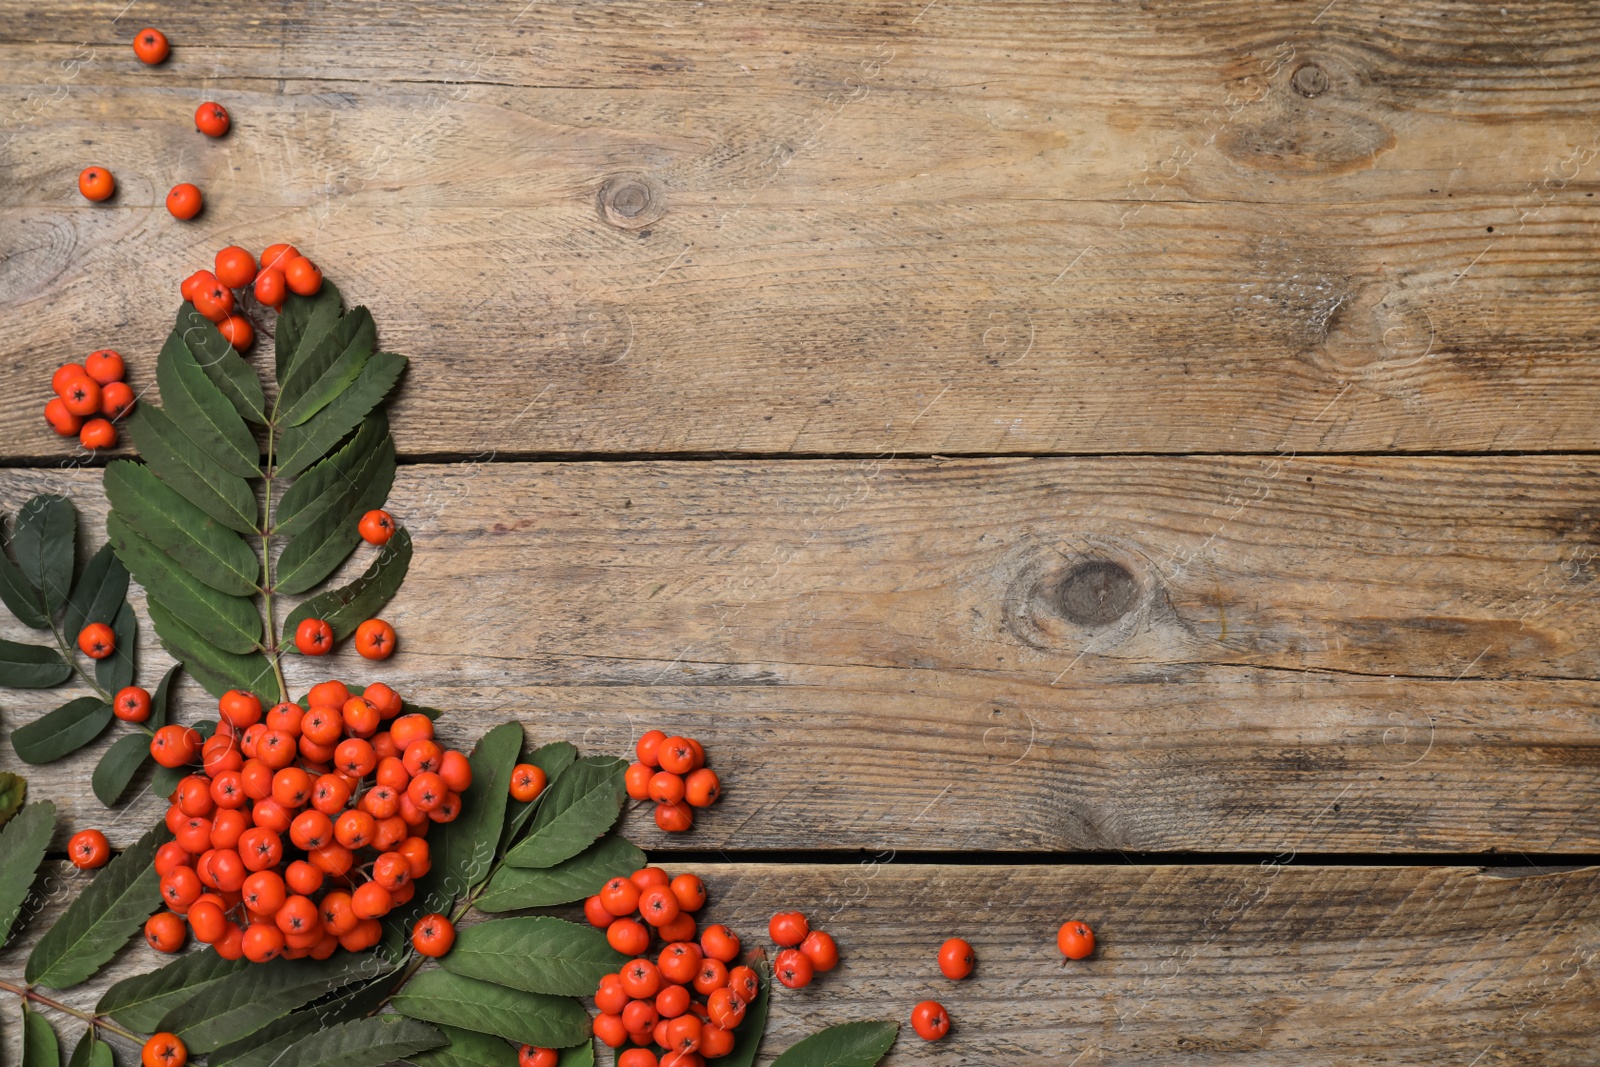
[1319, 655]
[1210, 964]
[825, 228]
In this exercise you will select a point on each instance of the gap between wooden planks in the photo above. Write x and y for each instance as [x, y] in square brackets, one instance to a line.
[1332, 655]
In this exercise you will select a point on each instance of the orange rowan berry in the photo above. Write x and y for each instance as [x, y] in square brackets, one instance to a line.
[376, 527]
[302, 276]
[82, 396]
[720, 943]
[262, 941]
[105, 366]
[207, 921]
[313, 637]
[88, 849]
[702, 788]
[211, 119]
[60, 419]
[657, 905]
[96, 184]
[674, 818]
[527, 781]
[597, 914]
[131, 704]
[116, 399]
[637, 781]
[164, 931]
[237, 331]
[270, 287]
[371, 901]
[456, 771]
[690, 891]
[173, 745]
[930, 1020]
[956, 959]
[680, 929]
[184, 201]
[666, 787]
[676, 755]
[298, 915]
[820, 949]
[648, 748]
[711, 976]
[409, 728]
[212, 299]
[793, 968]
[151, 46]
[375, 639]
[788, 928]
[619, 896]
[163, 1049]
[1075, 940]
[610, 1031]
[433, 935]
[301, 877]
[628, 936]
[679, 962]
[725, 1008]
[97, 434]
[529, 1056]
[744, 984]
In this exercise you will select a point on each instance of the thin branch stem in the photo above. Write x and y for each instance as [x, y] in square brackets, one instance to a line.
[89, 1017]
[274, 653]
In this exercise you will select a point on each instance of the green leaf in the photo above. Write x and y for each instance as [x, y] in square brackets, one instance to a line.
[301, 323]
[98, 594]
[19, 594]
[242, 1003]
[514, 1014]
[356, 479]
[158, 699]
[216, 670]
[118, 766]
[140, 1002]
[91, 1052]
[364, 1043]
[515, 888]
[115, 672]
[31, 666]
[22, 847]
[230, 623]
[303, 445]
[266, 1047]
[577, 1055]
[203, 413]
[227, 369]
[349, 606]
[102, 918]
[859, 1044]
[210, 551]
[552, 758]
[66, 729]
[747, 1038]
[195, 475]
[583, 804]
[537, 953]
[468, 1049]
[13, 790]
[46, 544]
[329, 368]
[39, 1047]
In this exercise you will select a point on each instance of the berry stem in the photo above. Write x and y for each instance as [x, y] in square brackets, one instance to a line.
[274, 653]
[89, 1017]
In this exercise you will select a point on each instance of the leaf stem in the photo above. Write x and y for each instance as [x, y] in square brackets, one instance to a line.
[87, 1016]
[274, 653]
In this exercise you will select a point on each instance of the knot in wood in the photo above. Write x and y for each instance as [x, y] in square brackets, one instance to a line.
[1309, 80]
[630, 201]
[1096, 592]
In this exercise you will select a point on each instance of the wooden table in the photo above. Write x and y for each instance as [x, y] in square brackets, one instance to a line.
[1063, 460]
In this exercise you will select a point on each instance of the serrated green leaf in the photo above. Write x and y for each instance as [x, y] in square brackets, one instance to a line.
[140, 1002]
[230, 623]
[266, 1047]
[364, 1043]
[243, 1003]
[31, 666]
[349, 606]
[515, 888]
[859, 1044]
[39, 1046]
[45, 542]
[22, 847]
[315, 383]
[302, 321]
[536, 953]
[158, 699]
[19, 595]
[216, 555]
[514, 1014]
[103, 917]
[91, 1052]
[747, 1038]
[303, 445]
[116, 671]
[328, 524]
[217, 671]
[583, 804]
[98, 593]
[467, 1049]
[577, 1055]
[188, 470]
[117, 766]
[227, 369]
[552, 758]
[66, 729]
[202, 412]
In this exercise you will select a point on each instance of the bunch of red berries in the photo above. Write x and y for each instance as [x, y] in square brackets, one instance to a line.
[354, 800]
[89, 397]
[688, 1001]
[282, 270]
[804, 952]
[672, 772]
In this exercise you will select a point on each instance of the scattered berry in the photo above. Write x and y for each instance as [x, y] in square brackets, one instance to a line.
[211, 119]
[793, 968]
[131, 704]
[184, 201]
[930, 1020]
[97, 641]
[88, 849]
[788, 928]
[1075, 940]
[376, 527]
[97, 434]
[164, 1049]
[820, 949]
[151, 46]
[433, 935]
[96, 184]
[375, 639]
[313, 637]
[527, 782]
[956, 959]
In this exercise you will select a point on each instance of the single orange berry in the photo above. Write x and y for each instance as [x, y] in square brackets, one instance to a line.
[97, 641]
[211, 119]
[433, 935]
[184, 201]
[151, 46]
[277, 256]
[96, 183]
[375, 639]
[164, 1049]
[105, 366]
[97, 434]
[313, 637]
[820, 949]
[237, 331]
[1075, 940]
[675, 818]
[212, 299]
[930, 1020]
[116, 399]
[270, 287]
[82, 396]
[956, 959]
[788, 928]
[131, 704]
[60, 419]
[88, 849]
[236, 268]
[302, 276]
[376, 527]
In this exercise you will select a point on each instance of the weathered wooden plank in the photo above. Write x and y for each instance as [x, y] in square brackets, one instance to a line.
[1033, 228]
[1308, 654]
[1218, 964]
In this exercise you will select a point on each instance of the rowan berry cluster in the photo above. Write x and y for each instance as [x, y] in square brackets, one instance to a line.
[90, 396]
[282, 270]
[307, 825]
[687, 1001]
[672, 772]
[803, 952]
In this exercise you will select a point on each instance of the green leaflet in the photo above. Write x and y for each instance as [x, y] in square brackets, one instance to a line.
[747, 1038]
[177, 461]
[91, 1052]
[39, 1047]
[468, 1049]
[98, 593]
[216, 670]
[552, 758]
[349, 606]
[355, 480]
[102, 918]
[583, 804]
[22, 847]
[19, 594]
[536, 953]
[266, 1047]
[141, 1001]
[364, 1043]
[207, 417]
[66, 729]
[302, 321]
[577, 1055]
[45, 542]
[216, 555]
[227, 369]
[117, 766]
[243, 1003]
[515, 888]
[230, 623]
[329, 368]
[115, 672]
[13, 791]
[31, 666]
[302, 445]
[514, 1014]
[859, 1044]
